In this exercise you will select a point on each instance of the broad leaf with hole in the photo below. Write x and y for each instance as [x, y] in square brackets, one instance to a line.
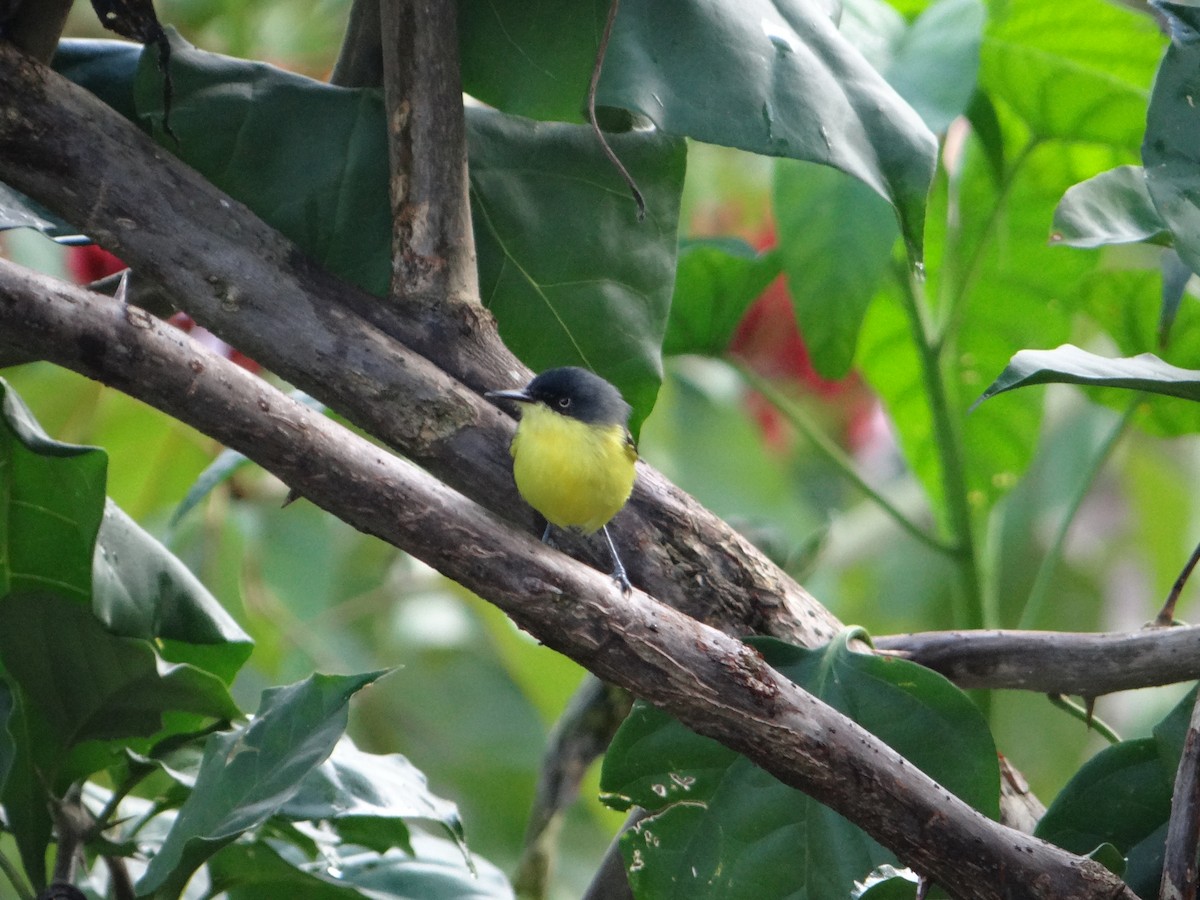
[774, 77]
[722, 827]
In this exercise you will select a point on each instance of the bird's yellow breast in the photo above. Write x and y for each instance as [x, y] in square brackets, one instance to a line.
[576, 475]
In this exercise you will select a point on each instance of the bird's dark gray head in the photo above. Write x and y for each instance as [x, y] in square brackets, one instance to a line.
[574, 392]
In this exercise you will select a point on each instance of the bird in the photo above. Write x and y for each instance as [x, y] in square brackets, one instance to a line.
[573, 455]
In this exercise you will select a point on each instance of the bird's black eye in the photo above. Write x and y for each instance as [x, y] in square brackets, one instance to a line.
[563, 402]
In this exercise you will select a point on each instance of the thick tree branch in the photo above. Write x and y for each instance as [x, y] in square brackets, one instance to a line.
[1087, 665]
[712, 682]
[433, 247]
[251, 287]
[1179, 875]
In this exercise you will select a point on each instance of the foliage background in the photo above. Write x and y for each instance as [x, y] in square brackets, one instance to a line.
[474, 699]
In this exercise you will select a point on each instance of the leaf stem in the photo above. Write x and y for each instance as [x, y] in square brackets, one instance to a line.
[836, 456]
[15, 879]
[1084, 714]
[950, 450]
[1045, 574]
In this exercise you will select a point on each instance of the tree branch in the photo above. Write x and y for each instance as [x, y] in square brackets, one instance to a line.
[712, 682]
[433, 247]
[1086, 665]
[1179, 855]
[256, 290]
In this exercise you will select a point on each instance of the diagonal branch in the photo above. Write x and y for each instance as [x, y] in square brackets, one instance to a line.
[386, 373]
[712, 682]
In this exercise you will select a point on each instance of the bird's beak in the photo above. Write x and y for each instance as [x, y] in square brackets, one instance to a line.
[520, 396]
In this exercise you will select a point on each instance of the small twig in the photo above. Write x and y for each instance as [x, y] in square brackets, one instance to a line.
[1085, 712]
[1166, 615]
[591, 110]
[1183, 831]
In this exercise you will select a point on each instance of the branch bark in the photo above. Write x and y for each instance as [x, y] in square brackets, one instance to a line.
[1086, 665]
[256, 290]
[712, 682]
[433, 247]
[1179, 874]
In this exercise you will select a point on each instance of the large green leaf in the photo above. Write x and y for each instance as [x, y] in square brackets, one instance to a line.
[834, 270]
[721, 827]
[51, 500]
[142, 590]
[247, 774]
[715, 284]
[994, 283]
[1171, 150]
[367, 798]
[1070, 365]
[1113, 207]
[571, 275]
[90, 685]
[435, 871]
[1121, 796]
[1073, 71]
[774, 77]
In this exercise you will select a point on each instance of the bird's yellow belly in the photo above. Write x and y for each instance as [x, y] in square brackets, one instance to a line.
[577, 476]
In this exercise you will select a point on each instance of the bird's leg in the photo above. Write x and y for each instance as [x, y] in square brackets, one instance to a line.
[546, 533]
[618, 572]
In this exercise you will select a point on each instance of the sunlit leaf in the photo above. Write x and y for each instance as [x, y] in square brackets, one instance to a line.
[1070, 365]
[1113, 207]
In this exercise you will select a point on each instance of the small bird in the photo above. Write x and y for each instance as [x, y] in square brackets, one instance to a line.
[573, 455]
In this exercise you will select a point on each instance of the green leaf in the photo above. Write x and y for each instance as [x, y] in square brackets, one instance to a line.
[1070, 365]
[436, 871]
[143, 590]
[89, 685]
[247, 774]
[8, 746]
[570, 274]
[720, 826]
[1113, 207]
[833, 271]
[935, 60]
[23, 796]
[367, 798]
[715, 283]
[774, 77]
[1121, 796]
[1170, 151]
[1072, 71]
[51, 500]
